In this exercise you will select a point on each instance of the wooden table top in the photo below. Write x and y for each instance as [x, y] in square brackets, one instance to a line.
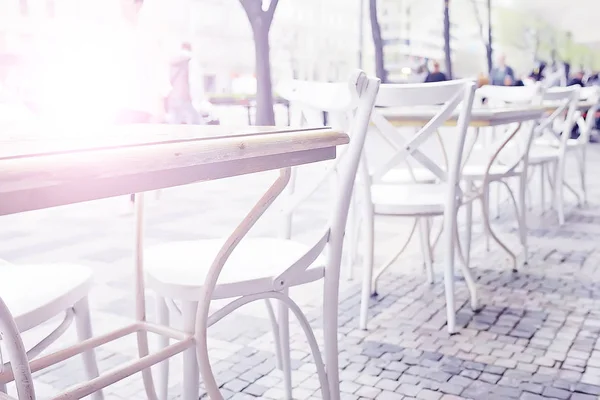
[79, 164]
[480, 117]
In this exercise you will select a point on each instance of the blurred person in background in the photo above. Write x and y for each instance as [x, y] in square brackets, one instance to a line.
[577, 79]
[435, 75]
[502, 74]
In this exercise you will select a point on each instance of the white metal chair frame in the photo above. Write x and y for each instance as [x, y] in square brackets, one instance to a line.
[19, 362]
[198, 318]
[72, 300]
[586, 126]
[556, 129]
[450, 95]
[192, 341]
[510, 152]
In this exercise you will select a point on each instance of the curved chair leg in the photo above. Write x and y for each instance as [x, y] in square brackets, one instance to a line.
[488, 227]
[83, 324]
[367, 280]
[191, 373]
[284, 339]
[276, 334]
[162, 312]
[426, 248]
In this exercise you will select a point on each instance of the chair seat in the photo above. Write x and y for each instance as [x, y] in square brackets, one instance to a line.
[403, 175]
[409, 199]
[178, 269]
[36, 293]
[550, 143]
[477, 171]
[541, 154]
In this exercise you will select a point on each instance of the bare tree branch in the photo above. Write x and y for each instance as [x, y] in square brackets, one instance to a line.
[479, 22]
[271, 10]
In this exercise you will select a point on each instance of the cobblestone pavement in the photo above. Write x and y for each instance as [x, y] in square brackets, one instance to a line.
[536, 336]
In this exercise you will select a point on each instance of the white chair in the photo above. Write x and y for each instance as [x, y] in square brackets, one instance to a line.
[586, 125]
[250, 269]
[420, 200]
[502, 155]
[36, 293]
[551, 148]
[17, 356]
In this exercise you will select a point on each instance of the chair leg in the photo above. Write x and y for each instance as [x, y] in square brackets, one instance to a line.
[284, 338]
[543, 187]
[162, 312]
[83, 324]
[559, 190]
[367, 280]
[191, 372]
[582, 173]
[522, 216]
[468, 233]
[426, 248]
[449, 248]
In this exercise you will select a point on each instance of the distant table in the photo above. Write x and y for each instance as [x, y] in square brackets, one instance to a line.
[480, 117]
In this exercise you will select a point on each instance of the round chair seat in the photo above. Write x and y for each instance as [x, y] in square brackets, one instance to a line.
[178, 269]
[36, 293]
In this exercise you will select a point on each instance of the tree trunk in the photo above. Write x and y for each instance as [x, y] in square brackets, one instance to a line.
[489, 46]
[264, 91]
[377, 42]
[447, 49]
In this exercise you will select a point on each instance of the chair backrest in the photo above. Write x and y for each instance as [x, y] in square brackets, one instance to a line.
[444, 101]
[350, 105]
[17, 355]
[510, 144]
[558, 125]
[589, 94]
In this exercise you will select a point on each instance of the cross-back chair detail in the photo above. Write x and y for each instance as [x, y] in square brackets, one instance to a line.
[554, 142]
[449, 101]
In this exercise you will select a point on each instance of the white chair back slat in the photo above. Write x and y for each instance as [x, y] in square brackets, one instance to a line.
[414, 95]
[348, 111]
[589, 94]
[411, 146]
[559, 124]
[425, 147]
[510, 145]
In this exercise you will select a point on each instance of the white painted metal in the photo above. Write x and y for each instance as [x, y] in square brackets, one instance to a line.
[264, 268]
[551, 149]
[505, 157]
[420, 199]
[257, 149]
[56, 289]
